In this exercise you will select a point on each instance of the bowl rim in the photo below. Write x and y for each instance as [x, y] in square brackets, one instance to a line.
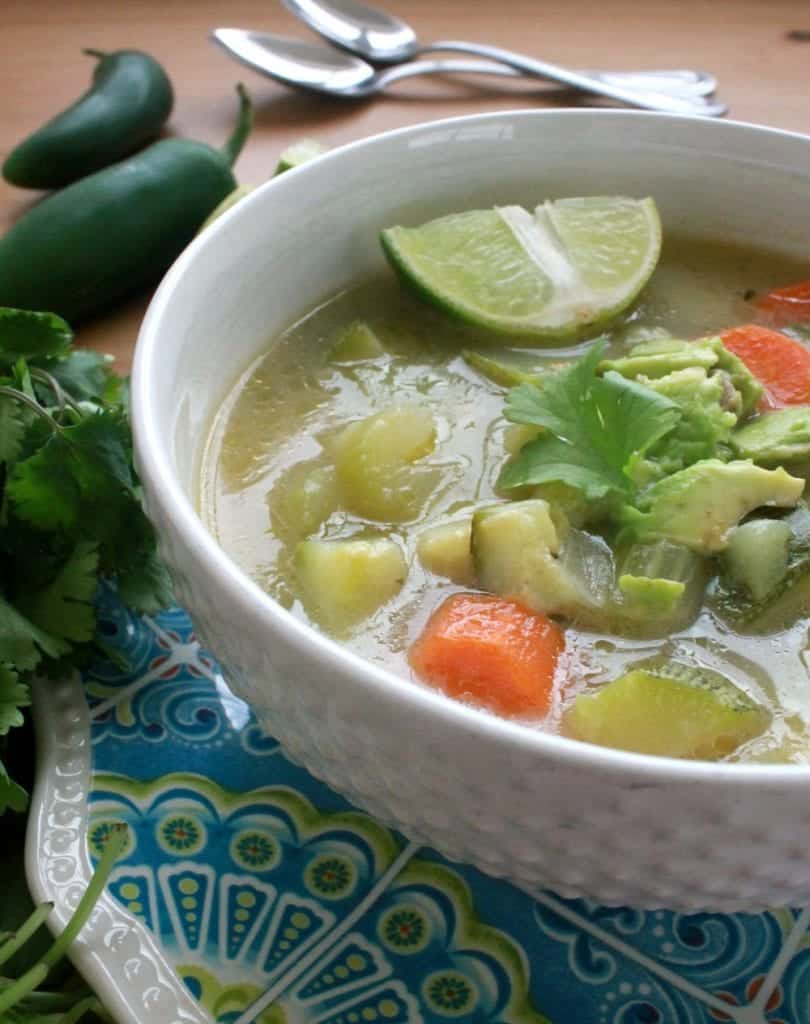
[155, 467]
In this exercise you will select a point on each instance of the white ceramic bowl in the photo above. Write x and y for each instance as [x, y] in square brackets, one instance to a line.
[537, 809]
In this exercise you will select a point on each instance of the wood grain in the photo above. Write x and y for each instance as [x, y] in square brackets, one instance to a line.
[764, 73]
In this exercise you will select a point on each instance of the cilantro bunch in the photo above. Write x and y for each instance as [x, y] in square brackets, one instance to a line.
[70, 512]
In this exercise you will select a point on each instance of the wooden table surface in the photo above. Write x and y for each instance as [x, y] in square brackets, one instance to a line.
[759, 50]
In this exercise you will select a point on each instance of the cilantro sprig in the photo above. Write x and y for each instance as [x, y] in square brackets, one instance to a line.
[595, 430]
[70, 515]
[70, 511]
[22, 1000]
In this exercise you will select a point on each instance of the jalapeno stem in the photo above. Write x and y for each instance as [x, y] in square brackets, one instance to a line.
[233, 147]
[94, 53]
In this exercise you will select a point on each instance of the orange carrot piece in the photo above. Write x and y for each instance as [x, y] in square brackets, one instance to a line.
[490, 651]
[779, 362]
[787, 305]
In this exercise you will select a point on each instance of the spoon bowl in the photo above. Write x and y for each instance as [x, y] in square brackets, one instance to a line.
[331, 72]
[375, 35]
[300, 64]
[383, 39]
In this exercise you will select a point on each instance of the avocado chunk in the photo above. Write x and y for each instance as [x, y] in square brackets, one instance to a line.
[343, 582]
[675, 711]
[705, 425]
[742, 380]
[661, 356]
[445, 550]
[699, 505]
[776, 437]
[695, 391]
[526, 551]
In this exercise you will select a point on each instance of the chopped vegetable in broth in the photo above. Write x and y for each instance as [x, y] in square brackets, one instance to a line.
[605, 537]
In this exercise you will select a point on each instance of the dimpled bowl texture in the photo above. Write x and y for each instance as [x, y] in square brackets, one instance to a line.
[537, 809]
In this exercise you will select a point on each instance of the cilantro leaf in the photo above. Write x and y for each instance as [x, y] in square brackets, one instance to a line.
[70, 514]
[146, 586]
[86, 376]
[42, 489]
[80, 469]
[64, 607]
[32, 336]
[12, 796]
[13, 696]
[12, 429]
[22, 643]
[597, 427]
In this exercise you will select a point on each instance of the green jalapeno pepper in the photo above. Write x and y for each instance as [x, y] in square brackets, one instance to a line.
[82, 248]
[126, 106]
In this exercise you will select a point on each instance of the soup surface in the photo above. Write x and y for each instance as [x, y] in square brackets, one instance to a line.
[267, 480]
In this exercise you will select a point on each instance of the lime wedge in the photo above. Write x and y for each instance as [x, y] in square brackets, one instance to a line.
[571, 265]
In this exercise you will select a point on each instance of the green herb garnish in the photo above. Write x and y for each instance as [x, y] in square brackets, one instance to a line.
[598, 427]
[70, 511]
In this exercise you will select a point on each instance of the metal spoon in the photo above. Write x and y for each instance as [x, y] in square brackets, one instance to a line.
[382, 38]
[322, 69]
[325, 70]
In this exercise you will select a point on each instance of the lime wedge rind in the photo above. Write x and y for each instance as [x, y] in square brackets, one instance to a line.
[566, 270]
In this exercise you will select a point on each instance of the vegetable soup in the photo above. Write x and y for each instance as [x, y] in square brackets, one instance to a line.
[604, 537]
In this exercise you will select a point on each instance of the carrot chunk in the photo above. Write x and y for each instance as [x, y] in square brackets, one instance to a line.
[490, 651]
[779, 362]
[787, 305]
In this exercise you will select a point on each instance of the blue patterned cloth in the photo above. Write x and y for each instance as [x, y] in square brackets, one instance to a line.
[276, 902]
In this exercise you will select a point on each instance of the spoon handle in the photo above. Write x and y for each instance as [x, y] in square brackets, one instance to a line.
[646, 99]
[676, 82]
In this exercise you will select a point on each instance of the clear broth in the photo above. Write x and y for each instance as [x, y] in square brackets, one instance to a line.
[292, 399]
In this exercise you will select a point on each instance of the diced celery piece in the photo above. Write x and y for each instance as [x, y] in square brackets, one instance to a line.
[524, 551]
[661, 583]
[506, 372]
[356, 342]
[445, 550]
[696, 714]
[343, 582]
[374, 460]
[757, 556]
[302, 499]
[651, 596]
